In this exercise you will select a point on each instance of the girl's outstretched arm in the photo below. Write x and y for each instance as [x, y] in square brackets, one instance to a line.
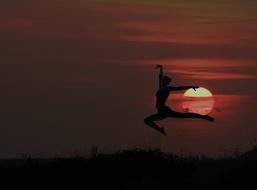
[172, 88]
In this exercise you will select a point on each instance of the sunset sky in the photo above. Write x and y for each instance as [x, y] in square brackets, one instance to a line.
[80, 73]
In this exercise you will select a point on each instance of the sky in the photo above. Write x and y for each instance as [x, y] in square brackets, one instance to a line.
[76, 74]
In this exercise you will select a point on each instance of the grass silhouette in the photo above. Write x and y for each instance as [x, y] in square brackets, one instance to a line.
[132, 169]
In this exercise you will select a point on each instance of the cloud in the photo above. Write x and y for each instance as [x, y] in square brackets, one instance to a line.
[178, 28]
[205, 74]
[209, 69]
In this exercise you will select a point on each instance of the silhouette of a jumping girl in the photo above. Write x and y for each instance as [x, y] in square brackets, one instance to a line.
[163, 110]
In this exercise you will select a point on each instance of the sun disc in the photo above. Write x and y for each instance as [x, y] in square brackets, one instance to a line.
[198, 92]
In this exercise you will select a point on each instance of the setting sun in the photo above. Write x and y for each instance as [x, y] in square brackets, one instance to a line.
[198, 92]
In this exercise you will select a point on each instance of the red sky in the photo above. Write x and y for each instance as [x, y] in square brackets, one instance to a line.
[81, 73]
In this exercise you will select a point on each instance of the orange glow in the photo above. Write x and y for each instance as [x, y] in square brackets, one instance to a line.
[198, 92]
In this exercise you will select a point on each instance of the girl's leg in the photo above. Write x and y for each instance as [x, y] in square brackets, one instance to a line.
[190, 115]
[150, 122]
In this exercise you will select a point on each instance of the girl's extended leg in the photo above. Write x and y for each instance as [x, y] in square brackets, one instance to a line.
[150, 122]
[190, 115]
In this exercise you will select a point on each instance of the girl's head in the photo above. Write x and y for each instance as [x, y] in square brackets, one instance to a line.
[166, 80]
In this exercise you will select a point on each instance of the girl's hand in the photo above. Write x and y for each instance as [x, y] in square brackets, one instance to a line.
[195, 87]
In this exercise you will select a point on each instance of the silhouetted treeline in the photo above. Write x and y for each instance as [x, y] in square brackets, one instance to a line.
[131, 170]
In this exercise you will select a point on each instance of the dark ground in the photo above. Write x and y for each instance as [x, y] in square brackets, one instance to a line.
[131, 170]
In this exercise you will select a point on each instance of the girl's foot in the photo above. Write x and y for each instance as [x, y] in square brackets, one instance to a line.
[161, 130]
[209, 118]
